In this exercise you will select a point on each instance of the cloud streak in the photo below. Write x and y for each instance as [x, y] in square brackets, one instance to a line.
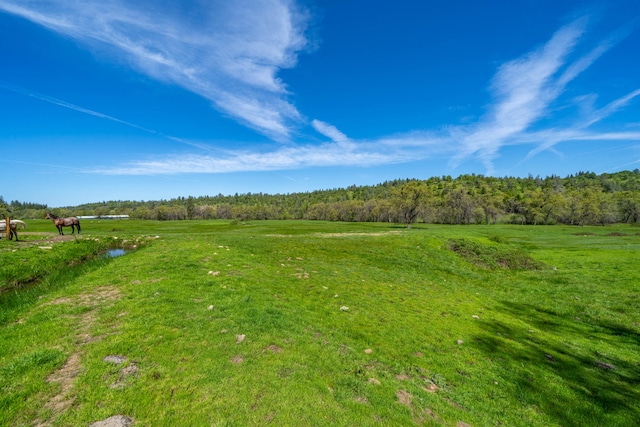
[330, 154]
[329, 131]
[229, 52]
[524, 89]
[70, 106]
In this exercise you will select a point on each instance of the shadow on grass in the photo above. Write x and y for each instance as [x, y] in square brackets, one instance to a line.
[566, 369]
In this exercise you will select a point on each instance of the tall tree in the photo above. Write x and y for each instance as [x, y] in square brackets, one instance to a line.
[459, 206]
[629, 206]
[410, 200]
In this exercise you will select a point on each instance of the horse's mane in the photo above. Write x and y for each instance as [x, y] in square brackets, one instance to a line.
[53, 216]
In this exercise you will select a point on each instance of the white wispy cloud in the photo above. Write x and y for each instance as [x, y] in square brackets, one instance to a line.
[579, 131]
[285, 158]
[524, 92]
[340, 151]
[329, 131]
[229, 52]
[523, 89]
[611, 108]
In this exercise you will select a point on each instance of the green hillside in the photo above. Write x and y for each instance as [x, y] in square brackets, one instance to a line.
[581, 199]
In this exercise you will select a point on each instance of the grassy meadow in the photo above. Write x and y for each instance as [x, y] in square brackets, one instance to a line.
[291, 323]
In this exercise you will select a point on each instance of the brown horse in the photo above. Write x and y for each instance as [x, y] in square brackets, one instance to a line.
[64, 222]
[13, 228]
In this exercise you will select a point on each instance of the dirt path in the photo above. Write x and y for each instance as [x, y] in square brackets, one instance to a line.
[66, 375]
[32, 238]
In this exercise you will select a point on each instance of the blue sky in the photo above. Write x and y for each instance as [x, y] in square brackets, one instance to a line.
[146, 100]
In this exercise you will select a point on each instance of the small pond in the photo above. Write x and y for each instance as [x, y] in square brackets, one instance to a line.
[112, 253]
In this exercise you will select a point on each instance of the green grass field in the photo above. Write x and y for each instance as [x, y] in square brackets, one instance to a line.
[290, 323]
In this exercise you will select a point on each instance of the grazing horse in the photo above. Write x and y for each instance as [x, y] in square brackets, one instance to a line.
[64, 222]
[13, 227]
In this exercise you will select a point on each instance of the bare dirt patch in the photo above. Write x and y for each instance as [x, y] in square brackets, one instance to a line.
[98, 296]
[431, 388]
[381, 233]
[375, 234]
[37, 238]
[115, 421]
[272, 349]
[404, 397]
[67, 374]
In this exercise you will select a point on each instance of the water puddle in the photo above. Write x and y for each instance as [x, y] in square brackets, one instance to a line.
[113, 253]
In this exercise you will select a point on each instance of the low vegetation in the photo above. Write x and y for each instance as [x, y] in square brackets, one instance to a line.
[493, 256]
[321, 323]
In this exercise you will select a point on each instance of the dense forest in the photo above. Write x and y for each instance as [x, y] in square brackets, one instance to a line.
[581, 199]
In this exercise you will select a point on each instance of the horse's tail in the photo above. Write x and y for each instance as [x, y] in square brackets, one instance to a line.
[78, 225]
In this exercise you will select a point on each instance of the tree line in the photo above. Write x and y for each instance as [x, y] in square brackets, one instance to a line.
[584, 198]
